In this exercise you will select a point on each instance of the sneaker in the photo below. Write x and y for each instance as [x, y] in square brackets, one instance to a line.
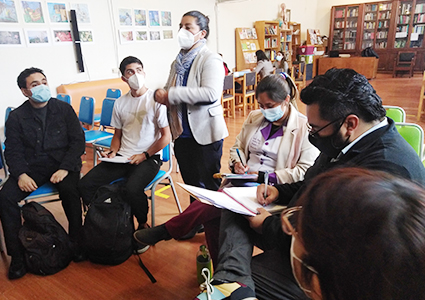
[218, 290]
[142, 249]
[151, 236]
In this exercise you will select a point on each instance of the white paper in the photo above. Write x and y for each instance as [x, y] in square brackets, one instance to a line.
[401, 34]
[116, 159]
[414, 36]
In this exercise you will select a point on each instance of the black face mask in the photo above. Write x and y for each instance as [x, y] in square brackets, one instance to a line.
[329, 145]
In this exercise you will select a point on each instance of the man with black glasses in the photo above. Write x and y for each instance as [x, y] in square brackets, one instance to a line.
[348, 125]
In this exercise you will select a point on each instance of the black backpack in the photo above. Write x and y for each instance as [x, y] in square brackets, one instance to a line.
[108, 227]
[47, 245]
[369, 52]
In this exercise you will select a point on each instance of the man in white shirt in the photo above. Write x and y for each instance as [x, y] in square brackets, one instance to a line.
[141, 131]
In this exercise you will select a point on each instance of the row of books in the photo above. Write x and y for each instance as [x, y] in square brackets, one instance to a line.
[419, 18]
[270, 43]
[419, 8]
[370, 16]
[270, 30]
[405, 9]
[373, 7]
[386, 6]
[340, 13]
[403, 20]
[369, 25]
[247, 34]
[384, 15]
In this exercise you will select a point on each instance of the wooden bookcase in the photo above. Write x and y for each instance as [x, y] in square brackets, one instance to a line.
[286, 44]
[296, 38]
[268, 37]
[344, 27]
[246, 45]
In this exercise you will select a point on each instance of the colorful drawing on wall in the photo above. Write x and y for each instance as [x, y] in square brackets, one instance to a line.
[168, 34]
[82, 12]
[57, 12]
[141, 35]
[62, 36]
[10, 37]
[32, 12]
[126, 36]
[37, 37]
[154, 18]
[155, 35]
[140, 17]
[8, 11]
[125, 17]
[86, 36]
[166, 18]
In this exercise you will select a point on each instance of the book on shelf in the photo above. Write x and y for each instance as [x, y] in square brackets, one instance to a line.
[254, 33]
[241, 200]
[253, 46]
[249, 57]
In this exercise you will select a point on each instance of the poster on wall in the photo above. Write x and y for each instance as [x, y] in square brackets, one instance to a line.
[62, 36]
[32, 12]
[140, 36]
[140, 17]
[57, 12]
[8, 12]
[155, 35]
[86, 36]
[166, 18]
[38, 37]
[153, 18]
[167, 34]
[126, 36]
[125, 17]
[82, 12]
[11, 37]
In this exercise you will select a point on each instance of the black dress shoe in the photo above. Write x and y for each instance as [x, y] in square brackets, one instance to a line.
[17, 268]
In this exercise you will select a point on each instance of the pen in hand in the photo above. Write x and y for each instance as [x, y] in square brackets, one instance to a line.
[266, 183]
[240, 158]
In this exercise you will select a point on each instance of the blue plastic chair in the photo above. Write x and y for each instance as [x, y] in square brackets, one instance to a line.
[111, 94]
[64, 97]
[86, 111]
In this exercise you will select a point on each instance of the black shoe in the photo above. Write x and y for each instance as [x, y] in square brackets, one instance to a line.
[151, 236]
[192, 233]
[17, 268]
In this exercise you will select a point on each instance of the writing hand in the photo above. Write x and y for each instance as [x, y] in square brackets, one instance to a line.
[137, 159]
[240, 169]
[109, 154]
[257, 221]
[26, 183]
[272, 194]
[58, 176]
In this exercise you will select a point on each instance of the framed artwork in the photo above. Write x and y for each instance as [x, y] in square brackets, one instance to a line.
[140, 35]
[86, 36]
[153, 18]
[126, 36]
[8, 11]
[155, 35]
[39, 37]
[11, 37]
[82, 12]
[167, 34]
[125, 17]
[166, 18]
[62, 36]
[140, 17]
[57, 12]
[33, 12]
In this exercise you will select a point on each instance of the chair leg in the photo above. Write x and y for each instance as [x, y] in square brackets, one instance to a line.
[175, 194]
[153, 206]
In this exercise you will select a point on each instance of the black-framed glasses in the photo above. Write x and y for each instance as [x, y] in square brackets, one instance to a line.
[309, 128]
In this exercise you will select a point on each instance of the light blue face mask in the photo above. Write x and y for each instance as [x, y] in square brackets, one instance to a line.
[41, 93]
[273, 114]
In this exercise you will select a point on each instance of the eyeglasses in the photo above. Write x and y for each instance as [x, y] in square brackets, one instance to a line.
[309, 128]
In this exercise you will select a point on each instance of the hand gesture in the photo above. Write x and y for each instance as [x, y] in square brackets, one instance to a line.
[26, 183]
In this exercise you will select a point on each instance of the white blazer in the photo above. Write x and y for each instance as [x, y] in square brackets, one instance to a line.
[202, 95]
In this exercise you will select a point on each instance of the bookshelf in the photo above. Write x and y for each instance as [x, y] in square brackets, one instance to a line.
[246, 45]
[296, 38]
[402, 24]
[286, 44]
[268, 37]
[344, 27]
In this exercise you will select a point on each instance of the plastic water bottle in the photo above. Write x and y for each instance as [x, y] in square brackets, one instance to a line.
[203, 260]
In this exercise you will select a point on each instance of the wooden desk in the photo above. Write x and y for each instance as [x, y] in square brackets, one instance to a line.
[367, 66]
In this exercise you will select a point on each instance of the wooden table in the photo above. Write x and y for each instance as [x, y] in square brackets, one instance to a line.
[367, 66]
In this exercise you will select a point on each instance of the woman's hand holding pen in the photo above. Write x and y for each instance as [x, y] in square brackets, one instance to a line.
[109, 154]
[240, 168]
[272, 194]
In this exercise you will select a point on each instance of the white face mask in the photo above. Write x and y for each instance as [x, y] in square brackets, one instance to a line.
[279, 58]
[186, 38]
[136, 81]
[293, 256]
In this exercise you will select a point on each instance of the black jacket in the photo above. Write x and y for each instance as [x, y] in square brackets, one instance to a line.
[63, 139]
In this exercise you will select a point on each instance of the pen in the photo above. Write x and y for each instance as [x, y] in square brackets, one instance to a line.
[239, 154]
[110, 152]
[266, 182]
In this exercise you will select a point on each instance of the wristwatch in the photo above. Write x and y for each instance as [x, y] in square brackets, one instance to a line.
[146, 154]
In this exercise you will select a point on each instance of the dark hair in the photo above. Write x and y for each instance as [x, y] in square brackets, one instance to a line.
[261, 55]
[363, 232]
[22, 78]
[201, 20]
[278, 87]
[129, 60]
[340, 92]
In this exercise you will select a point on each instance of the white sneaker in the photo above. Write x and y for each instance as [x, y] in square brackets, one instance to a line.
[143, 249]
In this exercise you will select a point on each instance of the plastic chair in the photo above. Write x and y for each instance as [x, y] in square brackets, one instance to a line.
[404, 62]
[111, 94]
[228, 96]
[64, 97]
[421, 99]
[244, 97]
[414, 135]
[86, 111]
[396, 113]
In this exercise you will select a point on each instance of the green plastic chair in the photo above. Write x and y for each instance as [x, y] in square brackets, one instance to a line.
[413, 134]
[396, 113]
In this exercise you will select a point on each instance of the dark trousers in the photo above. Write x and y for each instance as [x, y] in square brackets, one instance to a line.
[198, 163]
[138, 177]
[10, 212]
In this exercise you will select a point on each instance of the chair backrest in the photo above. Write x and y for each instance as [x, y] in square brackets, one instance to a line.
[250, 78]
[106, 114]
[405, 57]
[6, 116]
[414, 135]
[228, 82]
[166, 153]
[113, 93]
[64, 97]
[396, 113]
[86, 112]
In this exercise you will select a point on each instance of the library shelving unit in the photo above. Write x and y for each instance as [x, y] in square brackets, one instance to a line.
[383, 25]
[286, 44]
[404, 13]
[246, 45]
[296, 38]
[268, 37]
[344, 28]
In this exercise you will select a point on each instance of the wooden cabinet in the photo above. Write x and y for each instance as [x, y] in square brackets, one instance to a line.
[286, 44]
[344, 28]
[268, 37]
[246, 45]
[296, 38]
[376, 25]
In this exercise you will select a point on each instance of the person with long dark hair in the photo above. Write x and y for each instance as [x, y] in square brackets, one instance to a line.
[264, 66]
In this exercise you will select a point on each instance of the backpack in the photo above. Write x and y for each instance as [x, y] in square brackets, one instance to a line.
[108, 227]
[369, 52]
[47, 245]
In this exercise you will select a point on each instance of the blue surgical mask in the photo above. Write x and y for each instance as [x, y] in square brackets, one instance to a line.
[273, 114]
[41, 93]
